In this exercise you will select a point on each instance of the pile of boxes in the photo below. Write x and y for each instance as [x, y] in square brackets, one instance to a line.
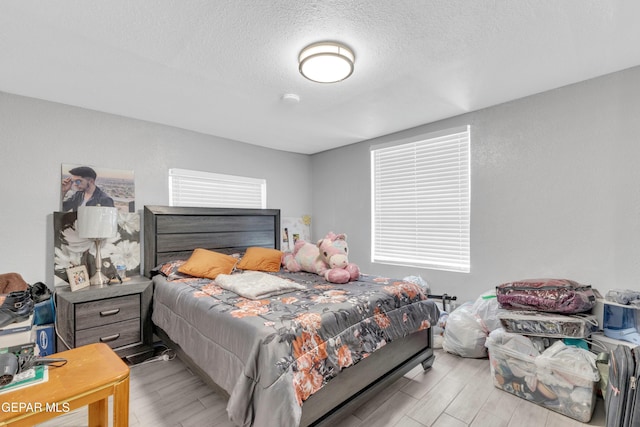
[16, 334]
[39, 329]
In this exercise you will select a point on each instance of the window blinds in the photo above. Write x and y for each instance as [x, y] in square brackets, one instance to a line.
[420, 202]
[206, 189]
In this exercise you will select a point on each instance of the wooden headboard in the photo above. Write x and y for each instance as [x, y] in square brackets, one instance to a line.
[174, 232]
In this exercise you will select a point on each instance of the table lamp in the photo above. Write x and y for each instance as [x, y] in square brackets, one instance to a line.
[97, 223]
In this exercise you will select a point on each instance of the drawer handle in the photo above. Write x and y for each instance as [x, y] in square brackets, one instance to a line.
[110, 338]
[110, 312]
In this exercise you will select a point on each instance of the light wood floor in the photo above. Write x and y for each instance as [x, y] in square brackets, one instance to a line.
[456, 392]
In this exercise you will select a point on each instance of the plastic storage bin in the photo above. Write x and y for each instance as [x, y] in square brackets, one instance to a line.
[566, 388]
[548, 324]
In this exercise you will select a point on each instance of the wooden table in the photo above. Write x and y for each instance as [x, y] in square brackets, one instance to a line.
[92, 374]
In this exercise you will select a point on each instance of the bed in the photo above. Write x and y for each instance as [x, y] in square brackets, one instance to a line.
[296, 358]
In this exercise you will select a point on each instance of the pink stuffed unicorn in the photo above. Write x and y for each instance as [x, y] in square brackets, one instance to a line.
[327, 258]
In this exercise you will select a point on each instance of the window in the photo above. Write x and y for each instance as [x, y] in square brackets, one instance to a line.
[420, 202]
[193, 188]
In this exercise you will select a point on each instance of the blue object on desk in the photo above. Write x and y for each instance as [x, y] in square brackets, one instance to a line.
[44, 312]
[44, 337]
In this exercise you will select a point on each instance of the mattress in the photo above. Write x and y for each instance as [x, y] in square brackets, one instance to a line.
[271, 354]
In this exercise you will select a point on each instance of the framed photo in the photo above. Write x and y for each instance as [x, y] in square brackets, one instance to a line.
[78, 277]
[294, 229]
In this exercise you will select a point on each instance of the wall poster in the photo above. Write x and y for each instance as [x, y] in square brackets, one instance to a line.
[294, 229]
[93, 186]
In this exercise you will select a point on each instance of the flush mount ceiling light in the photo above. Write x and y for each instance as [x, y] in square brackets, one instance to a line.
[326, 62]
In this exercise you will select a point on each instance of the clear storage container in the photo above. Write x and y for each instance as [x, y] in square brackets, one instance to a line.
[548, 324]
[550, 380]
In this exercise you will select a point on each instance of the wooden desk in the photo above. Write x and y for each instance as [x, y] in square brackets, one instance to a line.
[92, 374]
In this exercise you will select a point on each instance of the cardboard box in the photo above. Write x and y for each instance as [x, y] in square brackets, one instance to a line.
[13, 328]
[16, 333]
[44, 337]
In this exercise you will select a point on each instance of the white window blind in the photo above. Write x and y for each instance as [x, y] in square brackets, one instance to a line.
[421, 197]
[206, 189]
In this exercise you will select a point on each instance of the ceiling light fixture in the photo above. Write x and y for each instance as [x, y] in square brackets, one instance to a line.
[326, 62]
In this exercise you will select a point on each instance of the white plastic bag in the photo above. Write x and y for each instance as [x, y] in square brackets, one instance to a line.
[464, 334]
[517, 343]
[567, 366]
[469, 325]
[418, 280]
[486, 307]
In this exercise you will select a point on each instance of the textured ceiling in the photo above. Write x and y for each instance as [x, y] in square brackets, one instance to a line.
[220, 67]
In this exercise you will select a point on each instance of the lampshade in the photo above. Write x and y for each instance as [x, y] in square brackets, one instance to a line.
[97, 222]
[326, 62]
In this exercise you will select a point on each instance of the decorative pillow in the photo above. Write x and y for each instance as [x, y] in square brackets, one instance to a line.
[170, 270]
[206, 263]
[261, 259]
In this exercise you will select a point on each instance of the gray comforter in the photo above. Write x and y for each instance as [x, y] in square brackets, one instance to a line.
[272, 354]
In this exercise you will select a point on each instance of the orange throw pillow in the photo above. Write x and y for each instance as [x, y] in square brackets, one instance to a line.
[261, 259]
[206, 263]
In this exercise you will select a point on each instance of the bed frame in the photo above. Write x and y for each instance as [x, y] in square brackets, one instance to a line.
[173, 232]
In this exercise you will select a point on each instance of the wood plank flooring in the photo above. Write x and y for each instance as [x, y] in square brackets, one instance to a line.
[455, 392]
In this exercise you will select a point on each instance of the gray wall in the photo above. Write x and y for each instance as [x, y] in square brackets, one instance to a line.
[555, 182]
[555, 190]
[38, 136]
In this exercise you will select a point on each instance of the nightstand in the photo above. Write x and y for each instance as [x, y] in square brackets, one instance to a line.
[118, 315]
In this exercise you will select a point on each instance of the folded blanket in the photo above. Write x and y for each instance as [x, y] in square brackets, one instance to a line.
[256, 285]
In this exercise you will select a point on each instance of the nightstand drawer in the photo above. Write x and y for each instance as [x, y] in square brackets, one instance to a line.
[103, 312]
[119, 314]
[115, 334]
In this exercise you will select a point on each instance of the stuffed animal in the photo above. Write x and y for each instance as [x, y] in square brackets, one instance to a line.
[327, 258]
